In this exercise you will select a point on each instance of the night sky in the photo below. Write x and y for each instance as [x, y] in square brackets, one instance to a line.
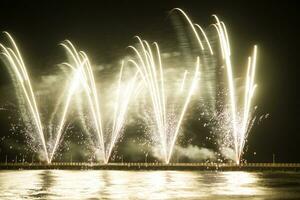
[105, 28]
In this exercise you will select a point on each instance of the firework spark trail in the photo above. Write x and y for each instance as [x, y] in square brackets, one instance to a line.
[71, 91]
[222, 33]
[87, 80]
[249, 92]
[239, 128]
[60, 101]
[153, 76]
[204, 44]
[91, 91]
[194, 27]
[85, 76]
[19, 69]
[118, 95]
[149, 76]
[80, 61]
[187, 101]
[121, 108]
[183, 81]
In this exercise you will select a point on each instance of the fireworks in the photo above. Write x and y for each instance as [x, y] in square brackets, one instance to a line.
[83, 75]
[153, 76]
[19, 73]
[168, 116]
[240, 123]
[239, 127]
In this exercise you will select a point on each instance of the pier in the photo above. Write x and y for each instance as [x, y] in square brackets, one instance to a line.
[154, 166]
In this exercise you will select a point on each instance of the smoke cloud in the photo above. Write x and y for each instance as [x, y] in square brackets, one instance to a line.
[196, 154]
[228, 153]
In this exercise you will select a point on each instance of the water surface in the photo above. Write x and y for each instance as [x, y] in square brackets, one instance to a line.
[108, 184]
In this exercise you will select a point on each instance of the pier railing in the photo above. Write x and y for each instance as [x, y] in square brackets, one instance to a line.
[153, 166]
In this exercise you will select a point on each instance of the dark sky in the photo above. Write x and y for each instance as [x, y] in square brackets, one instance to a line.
[106, 27]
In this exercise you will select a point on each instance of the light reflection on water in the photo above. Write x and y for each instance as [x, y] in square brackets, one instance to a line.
[64, 184]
